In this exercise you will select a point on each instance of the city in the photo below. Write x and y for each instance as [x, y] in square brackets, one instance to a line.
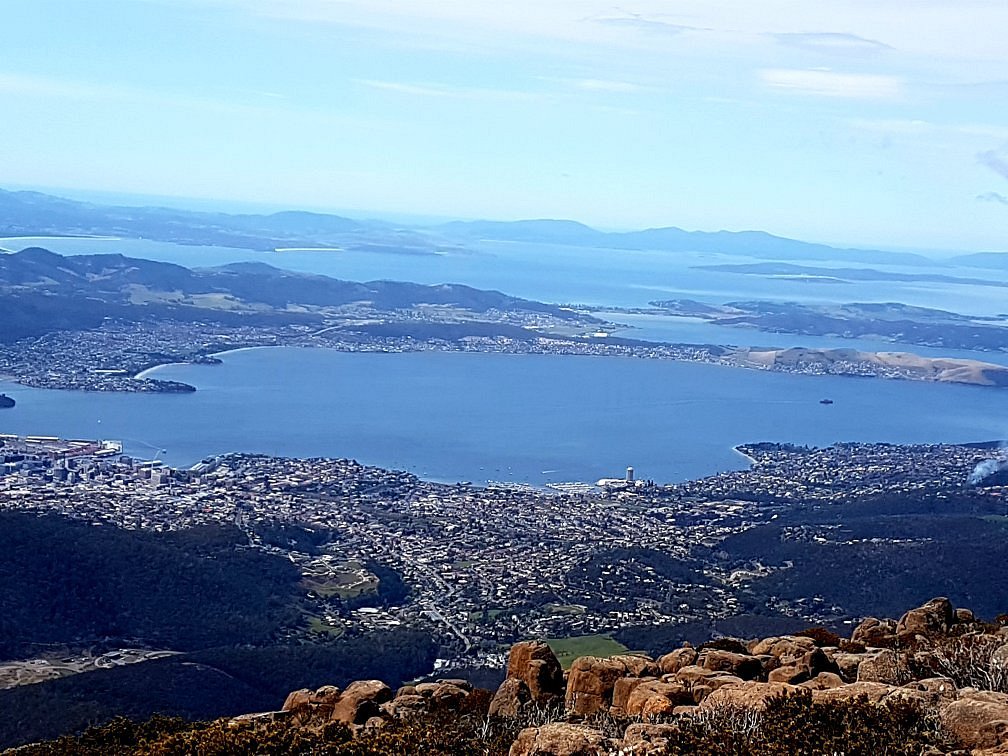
[485, 566]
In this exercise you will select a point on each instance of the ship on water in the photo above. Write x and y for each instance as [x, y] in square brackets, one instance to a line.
[6, 402]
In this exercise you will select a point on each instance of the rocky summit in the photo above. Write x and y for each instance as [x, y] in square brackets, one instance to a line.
[934, 681]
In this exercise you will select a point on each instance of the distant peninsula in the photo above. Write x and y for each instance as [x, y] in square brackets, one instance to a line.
[892, 321]
[100, 322]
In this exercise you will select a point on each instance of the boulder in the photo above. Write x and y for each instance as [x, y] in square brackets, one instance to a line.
[873, 692]
[747, 695]
[638, 665]
[823, 681]
[310, 708]
[621, 694]
[933, 618]
[591, 680]
[560, 739]
[647, 739]
[805, 668]
[361, 701]
[406, 706]
[884, 667]
[847, 664]
[654, 698]
[979, 718]
[510, 699]
[672, 662]
[535, 664]
[875, 633]
[741, 665]
[787, 648]
[964, 616]
[937, 689]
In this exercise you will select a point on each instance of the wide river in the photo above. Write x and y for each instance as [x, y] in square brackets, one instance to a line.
[479, 417]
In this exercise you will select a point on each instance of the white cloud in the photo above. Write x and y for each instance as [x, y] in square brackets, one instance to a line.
[831, 42]
[445, 90]
[823, 83]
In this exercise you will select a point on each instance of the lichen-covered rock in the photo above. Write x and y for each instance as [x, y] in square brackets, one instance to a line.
[590, 684]
[872, 692]
[559, 739]
[591, 680]
[823, 681]
[653, 698]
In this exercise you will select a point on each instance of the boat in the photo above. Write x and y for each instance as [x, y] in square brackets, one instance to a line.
[6, 402]
[825, 401]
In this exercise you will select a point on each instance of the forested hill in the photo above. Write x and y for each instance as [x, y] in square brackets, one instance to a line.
[41, 291]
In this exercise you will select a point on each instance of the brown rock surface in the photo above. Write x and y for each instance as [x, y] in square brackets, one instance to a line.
[979, 718]
[361, 701]
[535, 664]
[884, 667]
[591, 680]
[672, 662]
[747, 695]
[559, 739]
[787, 648]
[875, 633]
[510, 699]
[933, 618]
[741, 665]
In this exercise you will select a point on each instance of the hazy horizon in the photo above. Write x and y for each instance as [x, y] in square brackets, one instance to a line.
[857, 123]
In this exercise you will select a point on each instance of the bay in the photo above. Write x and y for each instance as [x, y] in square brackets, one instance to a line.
[519, 418]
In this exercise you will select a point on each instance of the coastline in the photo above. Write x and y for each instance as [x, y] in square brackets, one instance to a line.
[737, 449]
[95, 237]
[145, 373]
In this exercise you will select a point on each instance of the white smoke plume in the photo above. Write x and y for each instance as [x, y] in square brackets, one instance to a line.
[989, 466]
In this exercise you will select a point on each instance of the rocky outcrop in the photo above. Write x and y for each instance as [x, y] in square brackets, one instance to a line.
[534, 677]
[591, 680]
[535, 664]
[884, 663]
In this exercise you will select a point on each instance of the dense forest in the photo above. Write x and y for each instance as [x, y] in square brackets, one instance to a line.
[68, 582]
[207, 684]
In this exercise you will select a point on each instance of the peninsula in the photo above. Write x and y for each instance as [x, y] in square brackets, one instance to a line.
[98, 322]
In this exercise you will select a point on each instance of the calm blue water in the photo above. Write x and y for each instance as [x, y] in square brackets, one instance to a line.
[504, 417]
[501, 417]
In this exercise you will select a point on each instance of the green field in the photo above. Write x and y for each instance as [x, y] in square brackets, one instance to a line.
[569, 609]
[319, 626]
[569, 649]
[349, 581]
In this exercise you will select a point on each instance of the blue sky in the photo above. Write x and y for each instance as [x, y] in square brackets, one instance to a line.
[873, 122]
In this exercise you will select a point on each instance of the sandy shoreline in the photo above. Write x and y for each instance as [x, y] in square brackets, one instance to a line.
[738, 450]
[146, 373]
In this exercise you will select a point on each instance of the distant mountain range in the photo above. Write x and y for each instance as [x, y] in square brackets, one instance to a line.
[28, 213]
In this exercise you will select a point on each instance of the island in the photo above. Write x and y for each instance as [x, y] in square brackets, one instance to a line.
[6, 402]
